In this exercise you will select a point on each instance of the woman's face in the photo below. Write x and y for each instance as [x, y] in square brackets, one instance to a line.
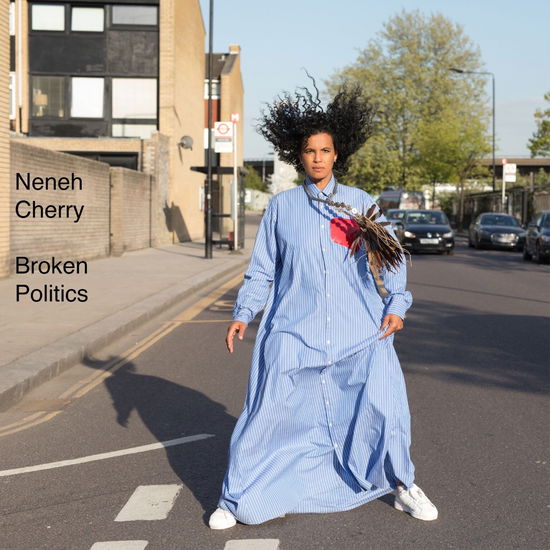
[318, 157]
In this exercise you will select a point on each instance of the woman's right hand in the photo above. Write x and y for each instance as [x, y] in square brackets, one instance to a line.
[236, 327]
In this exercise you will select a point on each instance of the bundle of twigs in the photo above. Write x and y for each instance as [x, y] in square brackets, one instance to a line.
[383, 250]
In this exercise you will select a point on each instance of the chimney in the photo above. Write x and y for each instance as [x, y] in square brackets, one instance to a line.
[234, 49]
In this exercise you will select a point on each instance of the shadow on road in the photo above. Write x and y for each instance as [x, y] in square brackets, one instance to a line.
[460, 345]
[169, 411]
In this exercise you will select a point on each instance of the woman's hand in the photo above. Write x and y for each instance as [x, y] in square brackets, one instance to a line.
[391, 324]
[236, 327]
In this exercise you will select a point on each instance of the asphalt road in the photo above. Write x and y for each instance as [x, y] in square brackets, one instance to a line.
[475, 354]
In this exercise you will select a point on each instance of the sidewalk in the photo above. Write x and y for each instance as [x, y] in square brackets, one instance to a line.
[39, 340]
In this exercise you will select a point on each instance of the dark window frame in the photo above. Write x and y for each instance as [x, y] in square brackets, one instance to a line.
[128, 26]
[70, 17]
[42, 32]
[70, 86]
[65, 96]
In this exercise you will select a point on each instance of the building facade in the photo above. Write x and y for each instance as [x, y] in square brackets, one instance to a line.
[114, 81]
[5, 187]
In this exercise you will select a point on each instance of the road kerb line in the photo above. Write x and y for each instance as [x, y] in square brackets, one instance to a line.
[104, 456]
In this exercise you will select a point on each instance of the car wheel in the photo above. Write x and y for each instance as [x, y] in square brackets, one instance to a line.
[477, 244]
[449, 252]
[537, 256]
[526, 255]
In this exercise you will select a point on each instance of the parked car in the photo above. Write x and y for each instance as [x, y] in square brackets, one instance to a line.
[395, 215]
[496, 230]
[425, 230]
[537, 240]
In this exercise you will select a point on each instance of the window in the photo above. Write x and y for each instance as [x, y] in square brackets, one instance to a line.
[48, 96]
[135, 98]
[134, 15]
[87, 19]
[87, 97]
[48, 17]
[12, 96]
[12, 18]
[215, 89]
[142, 131]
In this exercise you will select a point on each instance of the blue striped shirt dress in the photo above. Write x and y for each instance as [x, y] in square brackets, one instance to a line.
[325, 425]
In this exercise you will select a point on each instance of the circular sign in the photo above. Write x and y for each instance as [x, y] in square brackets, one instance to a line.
[223, 128]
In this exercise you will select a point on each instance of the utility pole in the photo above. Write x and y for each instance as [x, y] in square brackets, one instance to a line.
[208, 190]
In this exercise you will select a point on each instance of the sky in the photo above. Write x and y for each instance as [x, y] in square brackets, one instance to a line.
[278, 38]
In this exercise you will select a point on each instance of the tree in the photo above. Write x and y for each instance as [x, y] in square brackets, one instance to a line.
[539, 144]
[253, 180]
[426, 112]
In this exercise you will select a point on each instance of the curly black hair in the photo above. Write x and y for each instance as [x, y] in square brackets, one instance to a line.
[289, 122]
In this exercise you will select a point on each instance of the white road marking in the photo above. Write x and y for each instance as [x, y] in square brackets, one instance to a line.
[149, 502]
[252, 544]
[104, 456]
[120, 545]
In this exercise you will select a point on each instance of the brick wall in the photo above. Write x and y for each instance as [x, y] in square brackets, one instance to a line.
[4, 142]
[181, 111]
[117, 212]
[40, 238]
[130, 210]
[156, 162]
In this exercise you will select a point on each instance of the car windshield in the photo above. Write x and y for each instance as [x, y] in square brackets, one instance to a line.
[546, 221]
[395, 214]
[427, 217]
[498, 219]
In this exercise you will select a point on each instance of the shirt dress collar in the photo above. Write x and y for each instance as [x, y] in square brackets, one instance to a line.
[318, 192]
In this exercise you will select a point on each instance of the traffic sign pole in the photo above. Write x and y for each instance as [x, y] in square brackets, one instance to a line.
[234, 120]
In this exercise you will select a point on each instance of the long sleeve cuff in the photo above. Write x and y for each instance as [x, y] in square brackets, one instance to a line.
[398, 305]
[242, 314]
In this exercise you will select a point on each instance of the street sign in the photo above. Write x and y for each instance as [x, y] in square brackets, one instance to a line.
[509, 171]
[223, 137]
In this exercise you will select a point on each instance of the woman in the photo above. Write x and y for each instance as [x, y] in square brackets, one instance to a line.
[325, 425]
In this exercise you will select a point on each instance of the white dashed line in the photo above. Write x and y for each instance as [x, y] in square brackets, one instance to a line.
[120, 545]
[149, 502]
[252, 544]
[103, 456]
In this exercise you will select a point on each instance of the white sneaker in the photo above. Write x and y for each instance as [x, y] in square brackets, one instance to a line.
[221, 519]
[415, 502]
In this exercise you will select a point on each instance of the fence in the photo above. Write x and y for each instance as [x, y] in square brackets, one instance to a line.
[521, 202]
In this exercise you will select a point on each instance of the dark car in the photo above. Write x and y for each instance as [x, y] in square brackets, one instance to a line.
[495, 230]
[537, 240]
[425, 230]
[395, 215]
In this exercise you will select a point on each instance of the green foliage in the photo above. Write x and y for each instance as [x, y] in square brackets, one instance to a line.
[539, 144]
[446, 202]
[432, 122]
[253, 180]
[540, 177]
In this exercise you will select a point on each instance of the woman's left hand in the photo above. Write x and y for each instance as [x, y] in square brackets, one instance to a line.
[391, 324]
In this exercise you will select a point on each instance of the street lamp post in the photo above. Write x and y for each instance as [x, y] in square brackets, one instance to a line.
[463, 71]
[208, 190]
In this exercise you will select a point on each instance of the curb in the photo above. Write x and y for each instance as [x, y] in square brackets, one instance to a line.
[26, 373]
